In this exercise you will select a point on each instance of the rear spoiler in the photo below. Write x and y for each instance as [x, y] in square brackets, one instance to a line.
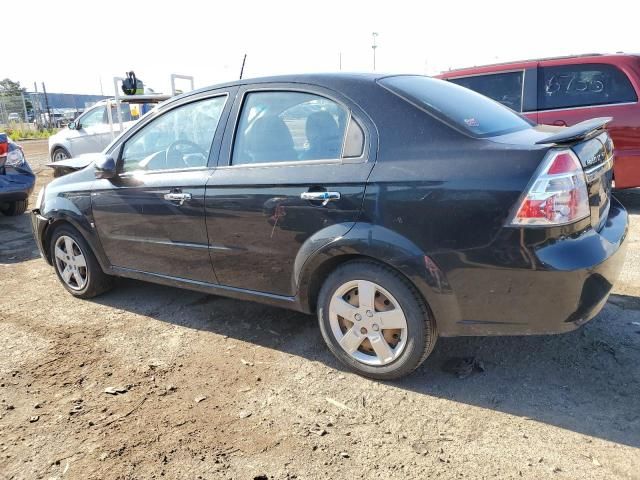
[578, 131]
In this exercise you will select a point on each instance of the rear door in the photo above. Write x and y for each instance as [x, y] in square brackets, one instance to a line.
[513, 88]
[292, 172]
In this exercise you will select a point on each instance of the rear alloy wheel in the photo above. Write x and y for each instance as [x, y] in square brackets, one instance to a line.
[374, 321]
[76, 265]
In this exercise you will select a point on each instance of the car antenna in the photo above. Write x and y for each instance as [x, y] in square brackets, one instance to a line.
[242, 68]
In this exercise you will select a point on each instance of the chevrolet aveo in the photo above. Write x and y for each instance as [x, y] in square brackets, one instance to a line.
[397, 208]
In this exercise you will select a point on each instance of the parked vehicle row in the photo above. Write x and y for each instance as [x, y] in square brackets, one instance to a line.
[16, 178]
[568, 90]
[397, 208]
[90, 132]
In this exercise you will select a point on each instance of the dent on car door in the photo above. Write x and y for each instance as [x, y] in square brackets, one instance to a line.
[287, 179]
[150, 218]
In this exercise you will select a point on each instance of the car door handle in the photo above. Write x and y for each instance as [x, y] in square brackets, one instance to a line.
[177, 197]
[324, 197]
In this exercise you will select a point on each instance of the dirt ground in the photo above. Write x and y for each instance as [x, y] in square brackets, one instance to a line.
[221, 389]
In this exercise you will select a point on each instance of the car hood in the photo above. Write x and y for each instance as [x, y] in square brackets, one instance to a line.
[75, 163]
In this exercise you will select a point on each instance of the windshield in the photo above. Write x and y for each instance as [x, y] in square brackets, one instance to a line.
[465, 109]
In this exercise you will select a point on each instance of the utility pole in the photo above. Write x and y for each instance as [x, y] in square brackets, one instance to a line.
[242, 69]
[46, 101]
[340, 61]
[374, 47]
[37, 108]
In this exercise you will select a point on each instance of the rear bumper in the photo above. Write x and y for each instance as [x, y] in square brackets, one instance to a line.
[16, 187]
[566, 283]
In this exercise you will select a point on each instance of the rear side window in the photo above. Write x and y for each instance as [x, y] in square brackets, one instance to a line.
[583, 85]
[505, 88]
[281, 126]
[460, 107]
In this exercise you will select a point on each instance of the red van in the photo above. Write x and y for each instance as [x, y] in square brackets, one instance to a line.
[567, 90]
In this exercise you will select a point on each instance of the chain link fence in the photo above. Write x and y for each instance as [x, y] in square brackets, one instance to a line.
[36, 110]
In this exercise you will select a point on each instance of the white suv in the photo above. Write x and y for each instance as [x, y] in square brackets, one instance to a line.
[91, 131]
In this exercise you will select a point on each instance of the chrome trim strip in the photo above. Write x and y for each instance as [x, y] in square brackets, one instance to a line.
[291, 163]
[212, 286]
[584, 107]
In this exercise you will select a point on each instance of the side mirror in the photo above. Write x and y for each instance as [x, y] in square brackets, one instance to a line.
[105, 168]
[72, 126]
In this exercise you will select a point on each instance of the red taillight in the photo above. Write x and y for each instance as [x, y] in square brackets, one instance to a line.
[558, 195]
[4, 148]
[562, 163]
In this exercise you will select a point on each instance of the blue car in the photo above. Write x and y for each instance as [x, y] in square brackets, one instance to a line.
[16, 178]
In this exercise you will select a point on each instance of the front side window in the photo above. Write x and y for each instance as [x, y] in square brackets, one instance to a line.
[93, 117]
[179, 138]
[465, 109]
[279, 126]
[505, 88]
[583, 85]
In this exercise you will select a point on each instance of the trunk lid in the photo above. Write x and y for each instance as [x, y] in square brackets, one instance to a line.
[596, 157]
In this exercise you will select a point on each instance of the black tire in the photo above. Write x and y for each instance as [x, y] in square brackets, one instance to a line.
[97, 281]
[421, 327]
[15, 208]
[57, 152]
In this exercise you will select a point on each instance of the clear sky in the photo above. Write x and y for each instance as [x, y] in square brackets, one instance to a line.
[72, 44]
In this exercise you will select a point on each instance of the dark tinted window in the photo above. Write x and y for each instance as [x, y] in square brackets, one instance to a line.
[505, 88]
[465, 109]
[582, 85]
[289, 126]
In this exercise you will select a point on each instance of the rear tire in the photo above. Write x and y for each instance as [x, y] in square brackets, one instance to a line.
[16, 208]
[75, 264]
[385, 342]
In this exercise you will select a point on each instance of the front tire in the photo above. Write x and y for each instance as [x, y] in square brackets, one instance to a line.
[59, 154]
[75, 264]
[374, 321]
[16, 208]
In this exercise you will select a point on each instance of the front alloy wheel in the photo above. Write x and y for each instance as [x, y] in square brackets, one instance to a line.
[374, 320]
[70, 263]
[75, 264]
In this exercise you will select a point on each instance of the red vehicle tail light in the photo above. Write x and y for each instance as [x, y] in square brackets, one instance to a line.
[557, 195]
[4, 144]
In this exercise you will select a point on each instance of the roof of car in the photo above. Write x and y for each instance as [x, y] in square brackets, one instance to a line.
[328, 80]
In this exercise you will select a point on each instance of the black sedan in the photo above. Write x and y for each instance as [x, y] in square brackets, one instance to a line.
[16, 178]
[399, 208]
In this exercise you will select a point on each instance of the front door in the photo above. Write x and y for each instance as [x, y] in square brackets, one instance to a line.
[292, 172]
[88, 137]
[150, 218]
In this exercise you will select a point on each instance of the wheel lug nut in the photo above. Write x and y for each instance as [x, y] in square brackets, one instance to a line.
[358, 317]
[363, 331]
[375, 327]
[369, 313]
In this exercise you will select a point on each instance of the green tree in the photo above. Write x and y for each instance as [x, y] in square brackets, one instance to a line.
[10, 88]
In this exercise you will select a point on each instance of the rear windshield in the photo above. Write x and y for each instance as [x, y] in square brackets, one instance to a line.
[465, 109]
